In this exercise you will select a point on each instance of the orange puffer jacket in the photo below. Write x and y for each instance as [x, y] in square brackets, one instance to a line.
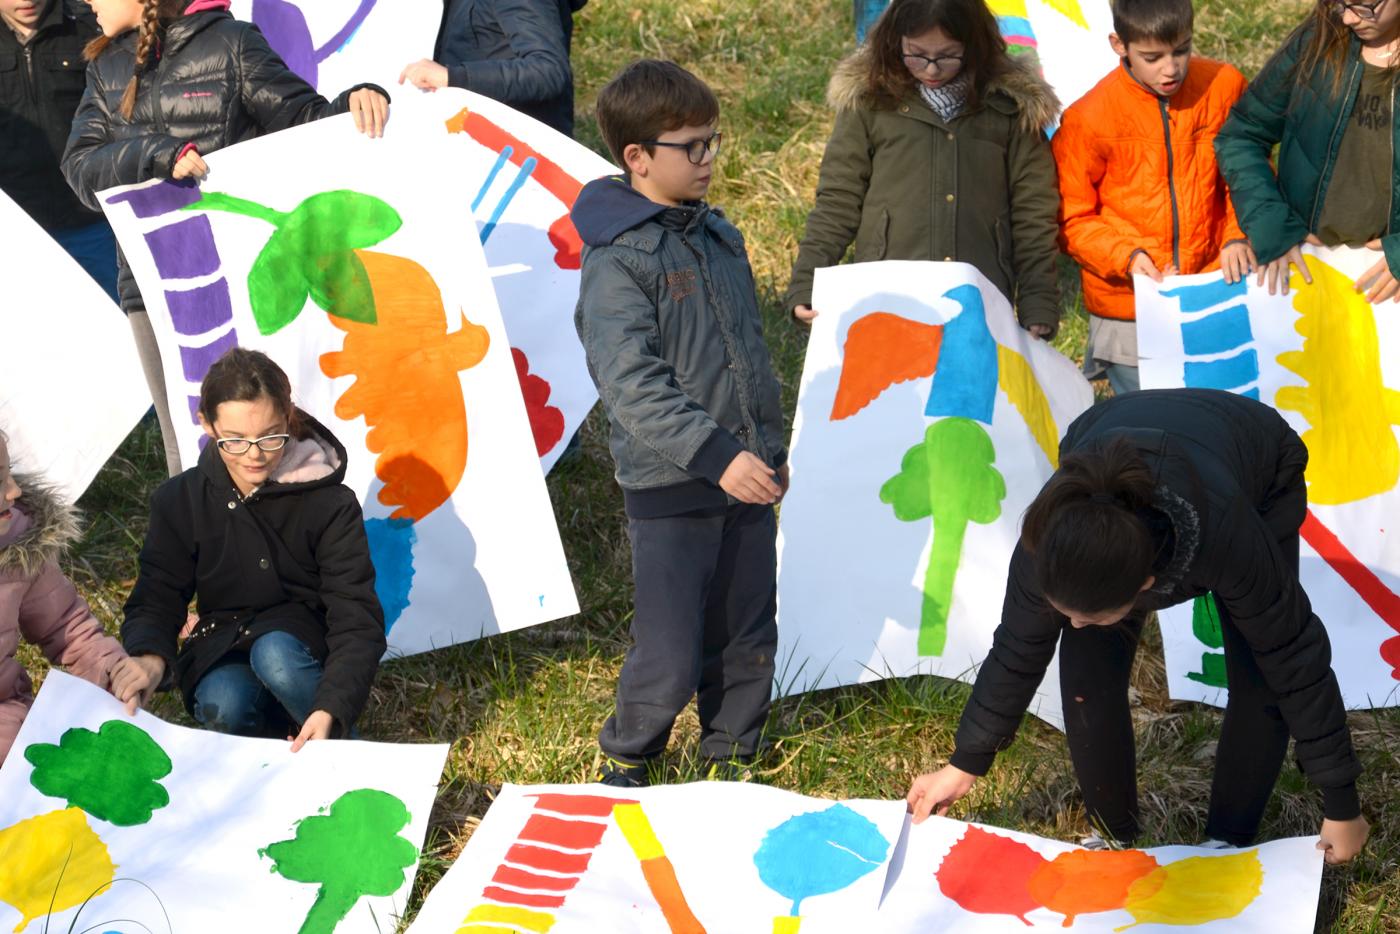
[1138, 172]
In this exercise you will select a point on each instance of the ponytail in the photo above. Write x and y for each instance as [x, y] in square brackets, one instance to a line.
[155, 16]
[1091, 549]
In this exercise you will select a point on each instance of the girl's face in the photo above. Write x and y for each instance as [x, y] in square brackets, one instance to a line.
[1379, 26]
[934, 58]
[9, 490]
[116, 16]
[238, 422]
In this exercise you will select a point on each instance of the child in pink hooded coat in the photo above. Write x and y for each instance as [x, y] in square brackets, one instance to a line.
[37, 602]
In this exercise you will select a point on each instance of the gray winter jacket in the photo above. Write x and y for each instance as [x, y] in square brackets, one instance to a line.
[671, 327]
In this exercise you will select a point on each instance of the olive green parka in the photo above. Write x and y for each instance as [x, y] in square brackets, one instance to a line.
[902, 184]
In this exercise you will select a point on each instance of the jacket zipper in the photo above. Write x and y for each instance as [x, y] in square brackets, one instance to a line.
[29, 66]
[1171, 184]
[1390, 202]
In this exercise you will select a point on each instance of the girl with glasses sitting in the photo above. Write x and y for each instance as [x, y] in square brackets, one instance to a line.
[939, 153]
[1327, 100]
[268, 540]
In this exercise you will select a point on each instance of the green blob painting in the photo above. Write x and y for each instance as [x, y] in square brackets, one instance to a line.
[112, 774]
[951, 478]
[1205, 626]
[351, 850]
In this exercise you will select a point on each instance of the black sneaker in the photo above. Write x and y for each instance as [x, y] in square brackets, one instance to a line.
[622, 774]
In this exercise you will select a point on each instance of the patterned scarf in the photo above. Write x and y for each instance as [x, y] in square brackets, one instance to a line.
[947, 101]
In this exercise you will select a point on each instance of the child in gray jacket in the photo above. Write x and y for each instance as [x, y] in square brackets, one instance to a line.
[668, 318]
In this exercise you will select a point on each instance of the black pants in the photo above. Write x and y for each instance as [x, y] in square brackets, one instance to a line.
[704, 626]
[1095, 663]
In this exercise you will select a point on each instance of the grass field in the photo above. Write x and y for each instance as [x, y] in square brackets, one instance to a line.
[525, 707]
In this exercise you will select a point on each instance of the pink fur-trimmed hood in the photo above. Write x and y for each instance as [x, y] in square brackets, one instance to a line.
[305, 460]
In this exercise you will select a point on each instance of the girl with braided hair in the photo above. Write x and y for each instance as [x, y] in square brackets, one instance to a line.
[168, 82]
[1161, 497]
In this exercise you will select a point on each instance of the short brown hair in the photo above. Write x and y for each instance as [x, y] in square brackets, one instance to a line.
[1152, 20]
[648, 98]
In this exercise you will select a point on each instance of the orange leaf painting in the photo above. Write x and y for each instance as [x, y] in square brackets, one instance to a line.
[1087, 881]
[883, 349]
[406, 385]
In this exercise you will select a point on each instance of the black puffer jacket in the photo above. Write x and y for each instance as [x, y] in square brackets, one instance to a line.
[292, 557]
[40, 85]
[1229, 487]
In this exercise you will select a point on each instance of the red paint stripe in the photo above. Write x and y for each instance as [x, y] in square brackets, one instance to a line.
[574, 834]
[1381, 599]
[555, 180]
[552, 860]
[510, 875]
[577, 805]
[497, 894]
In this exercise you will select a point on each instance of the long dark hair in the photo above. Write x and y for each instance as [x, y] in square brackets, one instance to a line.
[243, 375]
[1091, 549]
[1327, 45]
[155, 16]
[966, 21]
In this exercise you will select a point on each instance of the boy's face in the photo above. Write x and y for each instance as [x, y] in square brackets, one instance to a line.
[1161, 66]
[666, 175]
[23, 13]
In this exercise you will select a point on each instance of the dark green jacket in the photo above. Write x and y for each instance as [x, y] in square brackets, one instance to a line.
[901, 184]
[1306, 120]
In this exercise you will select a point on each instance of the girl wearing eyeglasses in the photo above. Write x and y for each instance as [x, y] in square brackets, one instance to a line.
[939, 153]
[268, 540]
[1327, 100]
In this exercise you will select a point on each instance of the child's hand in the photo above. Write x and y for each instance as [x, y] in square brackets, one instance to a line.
[804, 313]
[935, 792]
[190, 165]
[1276, 273]
[1378, 282]
[1142, 265]
[317, 726]
[135, 679]
[425, 75]
[1041, 331]
[749, 480]
[371, 110]
[1343, 839]
[1237, 261]
[783, 479]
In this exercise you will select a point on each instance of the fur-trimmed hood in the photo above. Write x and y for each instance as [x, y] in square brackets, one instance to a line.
[53, 526]
[1021, 86]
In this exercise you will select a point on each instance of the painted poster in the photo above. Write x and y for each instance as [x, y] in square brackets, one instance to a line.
[1330, 364]
[927, 421]
[709, 856]
[955, 877]
[134, 826]
[337, 44]
[63, 335]
[523, 178]
[367, 283]
[1068, 37]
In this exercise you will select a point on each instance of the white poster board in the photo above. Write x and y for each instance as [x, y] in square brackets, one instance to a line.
[927, 421]
[1327, 361]
[1068, 37]
[368, 285]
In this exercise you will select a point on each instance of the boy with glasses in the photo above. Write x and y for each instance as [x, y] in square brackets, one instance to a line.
[671, 327]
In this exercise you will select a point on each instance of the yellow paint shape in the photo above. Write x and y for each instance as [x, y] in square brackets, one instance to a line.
[1196, 890]
[787, 924]
[1352, 452]
[635, 827]
[487, 917]
[1069, 9]
[1018, 381]
[51, 863]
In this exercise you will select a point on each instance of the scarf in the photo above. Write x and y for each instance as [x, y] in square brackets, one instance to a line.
[946, 101]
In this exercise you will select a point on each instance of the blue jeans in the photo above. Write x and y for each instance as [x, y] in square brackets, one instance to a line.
[270, 687]
[95, 248]
[1122, 378]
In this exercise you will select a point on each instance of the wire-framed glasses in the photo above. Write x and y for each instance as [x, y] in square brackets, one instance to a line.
[694, 149]
[941, 63]
[266, 444]
[1365, 11]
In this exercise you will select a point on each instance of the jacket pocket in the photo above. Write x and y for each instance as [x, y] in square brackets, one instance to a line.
[1001, 233]
[873, 242]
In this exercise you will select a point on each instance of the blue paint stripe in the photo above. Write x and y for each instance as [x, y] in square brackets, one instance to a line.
[965, 383]
[1217, 332]
[1229, 373]
[516, 184]
[491, 177]
[1207, 294]
[1015, 26]
[1252, 393]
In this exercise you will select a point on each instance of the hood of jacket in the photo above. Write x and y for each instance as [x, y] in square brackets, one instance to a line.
[319, 448]
[53, 526]
[609, 206]
[1021, 87]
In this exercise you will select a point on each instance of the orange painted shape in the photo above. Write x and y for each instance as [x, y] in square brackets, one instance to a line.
[555, 180]
[406, 386]
[666, 889]
[964, 875]
[1085, 881]
[883, 349]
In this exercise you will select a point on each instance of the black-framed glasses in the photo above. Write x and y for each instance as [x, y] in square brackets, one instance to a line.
[267, 444]
[1366, 11]
[694, 149]
[941, 63]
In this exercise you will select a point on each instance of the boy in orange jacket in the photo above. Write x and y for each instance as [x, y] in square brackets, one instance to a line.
[1140, 192]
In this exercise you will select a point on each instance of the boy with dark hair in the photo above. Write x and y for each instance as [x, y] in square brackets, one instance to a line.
[670, 324]
[1140, 191]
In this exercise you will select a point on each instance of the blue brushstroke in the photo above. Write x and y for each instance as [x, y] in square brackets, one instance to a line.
[1229, 373]
[819, 852]
[391, 544]
[1207, 294]
[1017, 26]
[1217, 332]
[965, 383]
[491, 176]
[516, 184]
[1252, 393]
